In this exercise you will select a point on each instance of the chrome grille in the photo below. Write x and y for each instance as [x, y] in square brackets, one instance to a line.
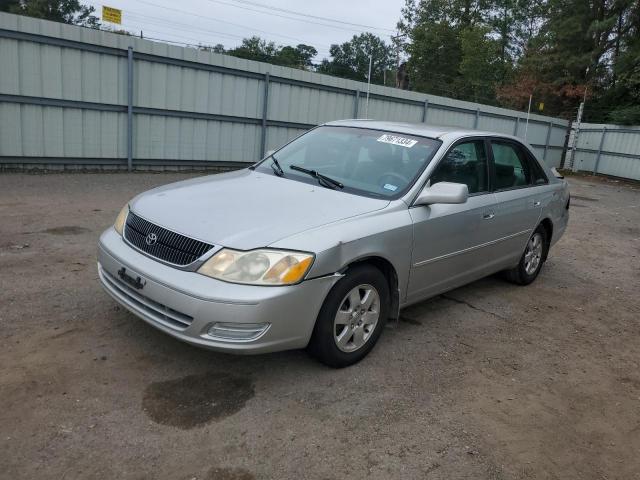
[167, 245]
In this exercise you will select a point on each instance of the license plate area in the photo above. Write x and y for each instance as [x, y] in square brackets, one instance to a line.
[131, 279]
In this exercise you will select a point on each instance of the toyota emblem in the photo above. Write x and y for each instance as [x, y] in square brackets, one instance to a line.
[151, 239]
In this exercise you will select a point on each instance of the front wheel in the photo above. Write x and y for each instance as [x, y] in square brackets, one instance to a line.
[532, 259]
[351, 318]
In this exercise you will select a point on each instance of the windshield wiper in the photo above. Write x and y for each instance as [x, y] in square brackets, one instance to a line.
[322, 179]
[275, 165]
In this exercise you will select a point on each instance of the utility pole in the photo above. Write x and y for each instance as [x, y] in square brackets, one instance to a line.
[396, 39]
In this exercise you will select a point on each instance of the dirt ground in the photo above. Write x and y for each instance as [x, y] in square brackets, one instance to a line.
[490, 381]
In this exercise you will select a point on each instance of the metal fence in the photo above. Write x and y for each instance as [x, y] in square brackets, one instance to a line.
[73, 97]
[607, 150]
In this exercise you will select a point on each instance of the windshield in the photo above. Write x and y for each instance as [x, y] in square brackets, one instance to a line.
[370, 162]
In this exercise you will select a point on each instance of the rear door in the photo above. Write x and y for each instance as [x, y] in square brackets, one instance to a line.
[449, 240]
[520, 191]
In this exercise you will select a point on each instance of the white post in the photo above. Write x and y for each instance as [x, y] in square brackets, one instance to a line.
[526, 125]
[366, 108]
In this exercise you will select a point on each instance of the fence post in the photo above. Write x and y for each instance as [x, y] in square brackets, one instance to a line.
[546, 143]
[425, 110]
[130, 108]
[516, 127]
[475, 122]
[265, 108]
[356, 104]
[604, 133]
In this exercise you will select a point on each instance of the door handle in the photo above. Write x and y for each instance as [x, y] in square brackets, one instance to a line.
[536, 203]
[488, 216]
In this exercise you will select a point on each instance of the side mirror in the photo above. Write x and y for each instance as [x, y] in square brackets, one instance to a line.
[443, 192]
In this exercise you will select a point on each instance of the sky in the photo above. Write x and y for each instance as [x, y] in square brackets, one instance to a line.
[285, 22]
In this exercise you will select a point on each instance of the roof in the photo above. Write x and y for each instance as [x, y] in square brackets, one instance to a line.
[419, 129]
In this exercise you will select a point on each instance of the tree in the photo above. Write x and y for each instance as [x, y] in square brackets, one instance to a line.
[64, 11]
[260, 50]
[11, 6]
[255, 48]
[502, 51]
[217, 48]
[306, 54]
[435, 54]
[452, 48]
[580, 47]
[295, 57]
[483, 64]
[351, 59]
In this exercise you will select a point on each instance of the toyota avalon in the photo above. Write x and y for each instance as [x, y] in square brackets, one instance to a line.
[327, 238]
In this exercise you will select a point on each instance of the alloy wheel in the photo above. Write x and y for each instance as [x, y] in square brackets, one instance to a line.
[356, 318]
[533, 254]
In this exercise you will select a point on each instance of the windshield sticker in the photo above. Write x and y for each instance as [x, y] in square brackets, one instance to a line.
[395, 140]
[388, 186]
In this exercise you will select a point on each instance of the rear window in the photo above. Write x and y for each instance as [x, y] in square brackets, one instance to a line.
[511, 166]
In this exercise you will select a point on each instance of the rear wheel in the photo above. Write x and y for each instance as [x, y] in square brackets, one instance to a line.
[351, 318]
[532, 259]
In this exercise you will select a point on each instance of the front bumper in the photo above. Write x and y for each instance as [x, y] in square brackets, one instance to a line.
[187, 304]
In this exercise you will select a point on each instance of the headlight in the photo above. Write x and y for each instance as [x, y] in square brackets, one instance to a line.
[258, 267]
[120, 219]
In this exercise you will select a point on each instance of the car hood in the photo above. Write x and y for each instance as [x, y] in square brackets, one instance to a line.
[246, 209]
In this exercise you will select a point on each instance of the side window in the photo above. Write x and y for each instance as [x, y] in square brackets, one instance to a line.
[465, 163]
[538, 177]
[511, 166]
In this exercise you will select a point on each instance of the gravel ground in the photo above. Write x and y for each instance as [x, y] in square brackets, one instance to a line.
[490, 381]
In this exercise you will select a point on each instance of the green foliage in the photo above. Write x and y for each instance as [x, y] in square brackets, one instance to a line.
[64, 11]
[217, 48]
[260, 50]
[502, 51]
[435, 54]
[481, 67]
[351, 59]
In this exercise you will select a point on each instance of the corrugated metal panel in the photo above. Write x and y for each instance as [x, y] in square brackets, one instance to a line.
[278, 136]
[389, 110]
[536, 133]
[558, 135]
[177, 88]
[35, 131]
[95, 71]
[586, 161]
[293, 103]
[554, 157]
[494, 124]
[439, 116]
[619, 166]
[168, 138]
[623, 142]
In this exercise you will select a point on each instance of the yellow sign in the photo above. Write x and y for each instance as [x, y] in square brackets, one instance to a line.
[541, 106]
[112, 15]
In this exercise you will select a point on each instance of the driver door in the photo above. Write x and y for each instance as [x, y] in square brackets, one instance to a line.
[450, 241]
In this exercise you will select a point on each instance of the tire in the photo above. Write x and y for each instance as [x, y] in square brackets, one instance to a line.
[352, 317]
[534, 256]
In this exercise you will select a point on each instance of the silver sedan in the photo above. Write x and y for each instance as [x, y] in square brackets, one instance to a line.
[324, 240]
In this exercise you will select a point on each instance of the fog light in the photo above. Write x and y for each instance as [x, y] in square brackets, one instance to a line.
[237, 332]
